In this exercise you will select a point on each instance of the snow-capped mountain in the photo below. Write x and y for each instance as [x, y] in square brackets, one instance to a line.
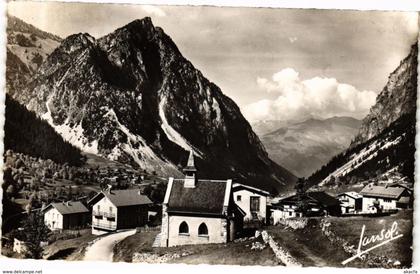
[304, 147]
[27, 49]
[132, 97]
[385, 143]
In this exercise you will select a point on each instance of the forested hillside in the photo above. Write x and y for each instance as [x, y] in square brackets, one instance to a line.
[390, 151]
[26, 133]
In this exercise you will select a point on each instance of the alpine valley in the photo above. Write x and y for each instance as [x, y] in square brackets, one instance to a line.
[384, 147]
[303, 147]
[117, 148]
[131, 97]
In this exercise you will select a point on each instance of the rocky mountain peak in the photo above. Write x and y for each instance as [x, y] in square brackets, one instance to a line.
[77, 41]
[143, 27]
[131, 96]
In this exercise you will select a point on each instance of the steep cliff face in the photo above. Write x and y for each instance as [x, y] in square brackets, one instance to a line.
[385, 145]
[398, 98]
[131, 96]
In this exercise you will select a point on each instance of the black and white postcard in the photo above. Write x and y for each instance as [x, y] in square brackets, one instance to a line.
[213, 135]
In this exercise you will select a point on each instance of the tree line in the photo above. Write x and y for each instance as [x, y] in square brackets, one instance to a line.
[400, 155]
[28, 134]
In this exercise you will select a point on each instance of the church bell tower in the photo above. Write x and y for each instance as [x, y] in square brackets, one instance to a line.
[190, 172]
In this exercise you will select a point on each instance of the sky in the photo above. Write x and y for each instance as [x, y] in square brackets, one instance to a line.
[276, 64]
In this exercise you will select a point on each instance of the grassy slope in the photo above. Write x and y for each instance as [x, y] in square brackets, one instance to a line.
[312, 248]
[399, 249]
[232, 253]
[93, 161]
[309, 246]
[71, 249]
[139, 242]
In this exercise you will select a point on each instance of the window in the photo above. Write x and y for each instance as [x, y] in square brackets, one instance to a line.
[202, 230]
[239, 198]
[183, 228]
[255, 204]
[110, 209]
[290, 213]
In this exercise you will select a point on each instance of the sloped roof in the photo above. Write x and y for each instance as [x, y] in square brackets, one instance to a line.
[190, 164]
[403, 185]
[404, 200]
[241, 211]
[382, 191]
[68, 207]
[352, 194]
[123, 197]
[318, 197]
[237, 186]
[323, 198]
[207, 197]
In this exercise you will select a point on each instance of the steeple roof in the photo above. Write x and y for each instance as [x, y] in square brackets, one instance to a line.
[190, 164]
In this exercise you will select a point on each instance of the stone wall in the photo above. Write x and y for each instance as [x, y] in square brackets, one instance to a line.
[216, 227]
[281, 253]
[298, 223]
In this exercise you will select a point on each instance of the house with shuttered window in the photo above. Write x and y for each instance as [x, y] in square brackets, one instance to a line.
[252, 200]
[378, 198]
[113, 210]
[66, 215]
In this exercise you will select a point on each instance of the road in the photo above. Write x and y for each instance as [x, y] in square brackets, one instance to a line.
[102, 249]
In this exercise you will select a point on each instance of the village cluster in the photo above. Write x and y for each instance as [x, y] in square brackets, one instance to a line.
[200, 211]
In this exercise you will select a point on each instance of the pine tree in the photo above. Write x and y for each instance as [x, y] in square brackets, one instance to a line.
[302, 204]
[36, 232]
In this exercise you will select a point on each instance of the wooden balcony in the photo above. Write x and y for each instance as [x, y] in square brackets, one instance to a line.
[109, 214]
[103, 214]
[97, 213]
[105, 226]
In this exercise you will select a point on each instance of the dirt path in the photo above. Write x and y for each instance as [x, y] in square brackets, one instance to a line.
[303, 254]
[308, 246]
[102, 250]
[317, 260]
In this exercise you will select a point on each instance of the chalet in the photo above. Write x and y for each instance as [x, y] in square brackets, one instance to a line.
[198, 211]
[318, 203]
[252, 201]
[384, 198]
[407, 186]
[118, 209]
[284, 209]
[350, 202]
[66, 215]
